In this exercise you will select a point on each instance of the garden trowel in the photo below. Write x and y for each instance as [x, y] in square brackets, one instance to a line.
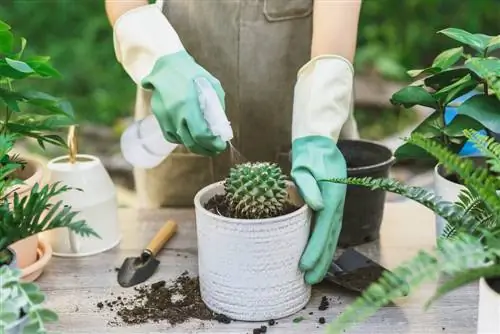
[135, 270]
[354, 271]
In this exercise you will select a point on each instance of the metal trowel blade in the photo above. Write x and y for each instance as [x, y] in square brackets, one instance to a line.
[136, 270]
[354, 271]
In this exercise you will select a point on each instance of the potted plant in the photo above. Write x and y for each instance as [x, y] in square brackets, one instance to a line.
[25, 215]
[467, 251]
[28, 113]
[22, 308]
[252, 229]
[364, 159]
[464, 96]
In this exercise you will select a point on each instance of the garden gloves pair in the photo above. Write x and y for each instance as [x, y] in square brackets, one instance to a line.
[152, 54]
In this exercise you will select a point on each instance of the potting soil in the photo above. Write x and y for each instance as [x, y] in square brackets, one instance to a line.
[175, 303]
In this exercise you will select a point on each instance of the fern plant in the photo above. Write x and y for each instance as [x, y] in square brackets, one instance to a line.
[22, 300]
[468, 250]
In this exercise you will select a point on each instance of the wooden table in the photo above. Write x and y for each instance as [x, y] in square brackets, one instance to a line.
[74, 286]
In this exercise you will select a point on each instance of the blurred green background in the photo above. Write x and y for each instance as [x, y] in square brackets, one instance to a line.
[394, 36]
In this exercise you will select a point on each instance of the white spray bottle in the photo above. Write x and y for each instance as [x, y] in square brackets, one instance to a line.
[143, 144]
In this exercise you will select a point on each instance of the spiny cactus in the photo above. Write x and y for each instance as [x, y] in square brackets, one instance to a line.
[256, 190]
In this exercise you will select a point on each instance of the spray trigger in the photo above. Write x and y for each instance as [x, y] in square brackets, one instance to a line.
[212, 110]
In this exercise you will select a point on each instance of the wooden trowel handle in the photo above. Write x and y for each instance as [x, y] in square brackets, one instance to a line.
[163, 235]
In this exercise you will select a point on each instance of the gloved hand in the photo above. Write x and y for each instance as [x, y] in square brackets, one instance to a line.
[322, 104]
[152, 54]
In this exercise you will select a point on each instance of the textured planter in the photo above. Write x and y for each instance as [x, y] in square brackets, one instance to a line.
[26, 249]
[363, 208]
[488, 320]
[448, 188]
[249, 269]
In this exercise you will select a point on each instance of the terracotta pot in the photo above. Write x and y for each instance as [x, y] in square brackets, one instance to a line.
[26, 249]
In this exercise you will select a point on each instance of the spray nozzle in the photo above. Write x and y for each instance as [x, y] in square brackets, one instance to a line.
[212, 110]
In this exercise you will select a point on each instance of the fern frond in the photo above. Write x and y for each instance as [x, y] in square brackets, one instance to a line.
[475, 178]
[451, 257]
[488, 146]
[462, 278]
[453, 213]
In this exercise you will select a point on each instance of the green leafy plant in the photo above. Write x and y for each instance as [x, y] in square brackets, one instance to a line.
[468, 68]
[29, 113]
[27, 215]
[256, 190]
[22, 300]
[467, 251]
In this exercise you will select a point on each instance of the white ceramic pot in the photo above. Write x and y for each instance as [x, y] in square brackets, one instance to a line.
[448, 191]
[249, 269]
[96, 203]
[488, 320]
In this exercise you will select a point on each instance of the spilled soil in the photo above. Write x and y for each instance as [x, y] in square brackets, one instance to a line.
[178, 302]
[175, 303]
[219, 206]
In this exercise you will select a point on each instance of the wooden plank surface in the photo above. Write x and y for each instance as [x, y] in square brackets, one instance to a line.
[74, 286]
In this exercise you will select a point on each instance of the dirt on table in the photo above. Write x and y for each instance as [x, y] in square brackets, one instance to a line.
[176, 303]
[219, 206]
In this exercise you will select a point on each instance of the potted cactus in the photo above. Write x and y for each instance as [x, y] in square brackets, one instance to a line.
[22, 309]
[252, 229]
[465, 96]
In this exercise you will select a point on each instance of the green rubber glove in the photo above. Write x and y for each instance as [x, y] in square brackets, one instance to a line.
[316, 158]
[151, 52]
[322, 109]
[174, 102]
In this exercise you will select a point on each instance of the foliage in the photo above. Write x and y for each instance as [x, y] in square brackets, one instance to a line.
[46, 113]
[23, 216]
[16, 295]
[470, 245]
[391, 37]
[255, 190]
[444, 81]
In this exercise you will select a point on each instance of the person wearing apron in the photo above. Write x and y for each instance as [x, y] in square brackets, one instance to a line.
[283, 72]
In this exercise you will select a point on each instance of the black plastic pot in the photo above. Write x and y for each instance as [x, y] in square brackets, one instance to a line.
[364, 208]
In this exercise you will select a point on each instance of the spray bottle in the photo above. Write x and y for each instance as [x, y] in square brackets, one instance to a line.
[143, 144]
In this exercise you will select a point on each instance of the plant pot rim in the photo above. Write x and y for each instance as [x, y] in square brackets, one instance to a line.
[438, 168]
[57, 163]
[199, 207]
[29, 182]
[389, 161]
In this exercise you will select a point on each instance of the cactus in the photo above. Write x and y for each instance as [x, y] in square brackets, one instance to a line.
[256, 190]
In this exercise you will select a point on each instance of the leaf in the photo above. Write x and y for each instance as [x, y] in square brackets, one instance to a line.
[6, 41]
[484, 68]
[449, 93]
[476, 41]
[412, 95]
[428, 70]
[8, 316]
[19, 66]
[36, 297]
[44, 69]
[33, 327]
[4, 26]
[21, 50]
[494, 43]
[448, 58]
[462, 278]
[409, 151]
[460, 123]
[47, 315]
[446, 77]
[484, 109]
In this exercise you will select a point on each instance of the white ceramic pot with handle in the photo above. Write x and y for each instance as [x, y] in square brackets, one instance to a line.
[249, 268]
[94, 196]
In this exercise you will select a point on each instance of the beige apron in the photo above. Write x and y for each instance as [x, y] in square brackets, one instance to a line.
[255, 48]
